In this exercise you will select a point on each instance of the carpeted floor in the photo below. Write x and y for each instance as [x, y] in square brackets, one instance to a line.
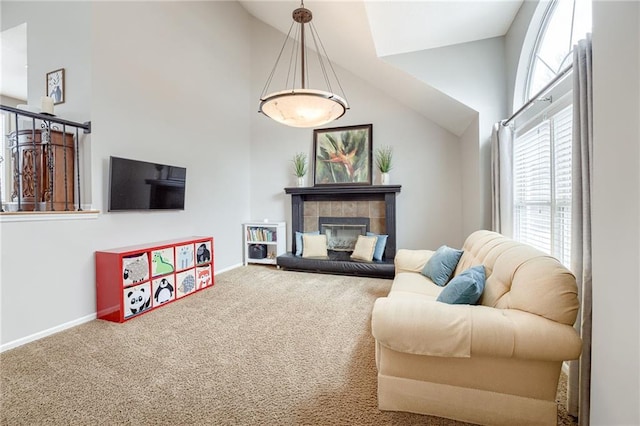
[261, 347]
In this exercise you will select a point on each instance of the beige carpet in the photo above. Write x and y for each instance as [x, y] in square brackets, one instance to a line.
[262, 347]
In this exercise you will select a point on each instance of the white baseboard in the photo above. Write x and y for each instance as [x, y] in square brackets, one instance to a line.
[45, 333]
[70, 324]
[237, 265]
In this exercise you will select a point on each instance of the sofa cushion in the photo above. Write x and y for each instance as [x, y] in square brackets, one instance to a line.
[441, 265]
[364, 248]
[314, 245]
[299, 244]
[412, 285]
[464, 289]
[380, 245]
[411, 260]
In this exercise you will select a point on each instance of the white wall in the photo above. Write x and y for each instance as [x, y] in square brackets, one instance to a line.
[426, 157]
[160, 81]
[469, 157]
[615, 386]
[49, 49]
[517, 58]
[9, 101]
[473, 73]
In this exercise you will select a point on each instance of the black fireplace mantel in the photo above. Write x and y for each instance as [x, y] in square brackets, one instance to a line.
[341, 190]
[386, 193]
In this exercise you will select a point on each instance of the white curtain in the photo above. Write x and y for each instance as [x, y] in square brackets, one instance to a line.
[582, 154]
[502, 179]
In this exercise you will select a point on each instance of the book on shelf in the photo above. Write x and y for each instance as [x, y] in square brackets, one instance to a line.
[261, 234]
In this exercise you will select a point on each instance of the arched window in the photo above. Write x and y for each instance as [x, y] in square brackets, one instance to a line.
[543, 131]
[564, 23]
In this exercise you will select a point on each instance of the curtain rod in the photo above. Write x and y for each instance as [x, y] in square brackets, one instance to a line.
[538, 95]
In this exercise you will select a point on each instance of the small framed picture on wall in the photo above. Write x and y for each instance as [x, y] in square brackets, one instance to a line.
[55, 86]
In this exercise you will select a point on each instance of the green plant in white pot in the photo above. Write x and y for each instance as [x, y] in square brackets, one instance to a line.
[384, 157]
[300, 167]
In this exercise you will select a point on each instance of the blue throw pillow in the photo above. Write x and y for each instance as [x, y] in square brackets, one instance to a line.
[380, 245]
[465, 289]
[441, 265]
[299, 240]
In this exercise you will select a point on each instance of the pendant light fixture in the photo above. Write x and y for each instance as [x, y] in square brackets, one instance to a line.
[297, 105]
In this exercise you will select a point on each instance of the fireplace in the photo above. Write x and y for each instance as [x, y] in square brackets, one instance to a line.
[351, 205]
[342, 232]
[377, 202]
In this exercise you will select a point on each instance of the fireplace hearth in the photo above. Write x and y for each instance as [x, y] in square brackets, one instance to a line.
[350, 206]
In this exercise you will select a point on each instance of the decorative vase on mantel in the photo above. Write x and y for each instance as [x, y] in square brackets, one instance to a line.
[384, 157]
[300, 167]
[384, 178]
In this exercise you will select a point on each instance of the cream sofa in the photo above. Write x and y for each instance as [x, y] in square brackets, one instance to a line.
[497, 362]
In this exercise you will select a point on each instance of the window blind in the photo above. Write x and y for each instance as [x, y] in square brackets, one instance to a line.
[562, 135]
[542, 185]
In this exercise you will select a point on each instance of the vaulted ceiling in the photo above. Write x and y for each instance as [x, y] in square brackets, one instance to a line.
[358, 34]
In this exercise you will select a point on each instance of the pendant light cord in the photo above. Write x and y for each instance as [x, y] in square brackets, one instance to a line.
[275, 66]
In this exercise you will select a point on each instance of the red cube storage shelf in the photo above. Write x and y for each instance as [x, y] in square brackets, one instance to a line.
[137, 279]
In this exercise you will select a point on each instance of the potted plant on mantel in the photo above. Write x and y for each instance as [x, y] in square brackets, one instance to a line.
[384, 155]
[300, 167]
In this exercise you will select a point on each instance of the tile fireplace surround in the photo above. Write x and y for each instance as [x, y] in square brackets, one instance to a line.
[376, 202]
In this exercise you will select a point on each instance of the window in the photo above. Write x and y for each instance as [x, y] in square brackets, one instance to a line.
[564, 23]
[543, 133]
[542, 185]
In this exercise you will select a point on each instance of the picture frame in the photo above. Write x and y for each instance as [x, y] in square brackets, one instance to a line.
[177, 173]
[55, 86]
[343, 155]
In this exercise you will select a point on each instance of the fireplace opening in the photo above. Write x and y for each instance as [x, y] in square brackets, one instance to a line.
[342, 232]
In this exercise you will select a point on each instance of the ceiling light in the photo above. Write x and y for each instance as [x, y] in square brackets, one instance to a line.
[297, 105]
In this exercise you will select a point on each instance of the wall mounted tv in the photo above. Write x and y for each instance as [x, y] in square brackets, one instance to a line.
[139, 185]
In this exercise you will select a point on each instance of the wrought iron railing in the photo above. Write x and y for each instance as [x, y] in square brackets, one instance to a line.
[44, 162]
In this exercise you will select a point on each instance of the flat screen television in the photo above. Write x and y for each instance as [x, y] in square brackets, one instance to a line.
[140, 185]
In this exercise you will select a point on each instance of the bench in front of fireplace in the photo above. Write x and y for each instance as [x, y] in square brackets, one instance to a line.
[338, 262]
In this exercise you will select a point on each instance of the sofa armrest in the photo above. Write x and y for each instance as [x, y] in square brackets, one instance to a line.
[541, 338]
[512, 333]
[428, 327]
[422, 327]
[411, 260]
